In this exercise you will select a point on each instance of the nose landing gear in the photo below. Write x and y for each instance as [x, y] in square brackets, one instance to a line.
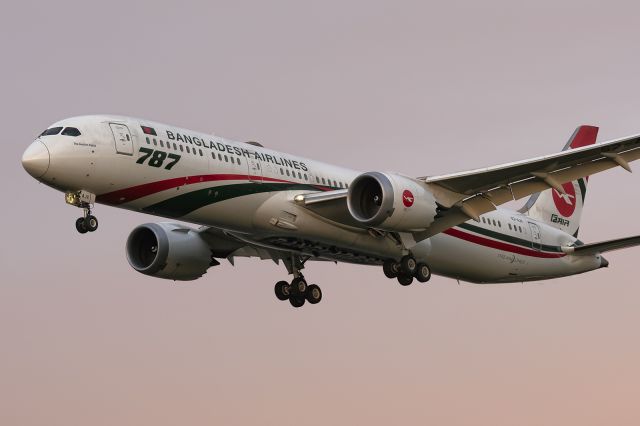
[87, 223]
[83, 200]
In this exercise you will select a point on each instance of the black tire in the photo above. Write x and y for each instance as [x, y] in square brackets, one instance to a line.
[282, 289]
[299, 286]
[296, 300]
[313, 294]
[91, 223]
[408, 265]
[80, 225]
[390, 269]
[423, 272]
[405, 280]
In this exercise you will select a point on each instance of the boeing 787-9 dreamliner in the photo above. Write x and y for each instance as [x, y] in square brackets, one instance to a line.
[250, 201]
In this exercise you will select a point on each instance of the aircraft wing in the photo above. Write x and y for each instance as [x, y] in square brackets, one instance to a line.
[469, 194]
[595, 248]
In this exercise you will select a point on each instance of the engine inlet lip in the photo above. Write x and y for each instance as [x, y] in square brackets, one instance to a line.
[355, 194]
[161, 255]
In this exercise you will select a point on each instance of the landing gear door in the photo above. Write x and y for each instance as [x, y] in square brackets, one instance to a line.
[254, 170]
[536, 236]
[122, 137]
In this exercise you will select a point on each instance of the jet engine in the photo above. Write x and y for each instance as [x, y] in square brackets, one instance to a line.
[168, 250]
[391, 202]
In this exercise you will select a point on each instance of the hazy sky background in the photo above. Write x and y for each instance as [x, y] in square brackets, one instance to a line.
[416, 87]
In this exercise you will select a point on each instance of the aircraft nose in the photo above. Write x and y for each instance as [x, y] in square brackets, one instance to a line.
[35, 159]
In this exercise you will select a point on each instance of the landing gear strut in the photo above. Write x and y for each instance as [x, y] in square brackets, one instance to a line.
[84, 200]
[298, 292]
[406, 270]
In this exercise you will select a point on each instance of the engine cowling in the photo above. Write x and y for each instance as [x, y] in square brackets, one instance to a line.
[392, 202]
[168, 250]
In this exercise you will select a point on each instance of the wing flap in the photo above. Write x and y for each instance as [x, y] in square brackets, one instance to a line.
[602, 247]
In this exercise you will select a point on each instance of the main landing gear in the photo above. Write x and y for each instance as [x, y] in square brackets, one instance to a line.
[406, 270]
[83, 200]
[298, 291]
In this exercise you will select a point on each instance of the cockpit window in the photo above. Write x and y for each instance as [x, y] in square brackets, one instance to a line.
[71, 131]
[51, 131]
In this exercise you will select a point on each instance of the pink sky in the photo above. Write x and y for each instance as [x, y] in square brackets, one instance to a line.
[416, 87]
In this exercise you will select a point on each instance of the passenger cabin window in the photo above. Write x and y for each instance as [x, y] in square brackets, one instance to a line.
[52, 131]
[71, 131]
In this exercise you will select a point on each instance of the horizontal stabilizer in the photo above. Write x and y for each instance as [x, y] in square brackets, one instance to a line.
[595, 248]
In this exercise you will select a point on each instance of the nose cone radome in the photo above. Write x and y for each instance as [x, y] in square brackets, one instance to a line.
[35, 159]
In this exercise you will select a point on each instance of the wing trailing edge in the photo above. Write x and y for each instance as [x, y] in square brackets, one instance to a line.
[602, 247]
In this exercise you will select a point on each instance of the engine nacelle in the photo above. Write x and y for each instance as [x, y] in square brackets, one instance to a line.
[391, 202]
[168, 250]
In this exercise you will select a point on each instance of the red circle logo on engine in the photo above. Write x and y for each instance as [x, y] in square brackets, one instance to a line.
[407, 198]
[565, 203]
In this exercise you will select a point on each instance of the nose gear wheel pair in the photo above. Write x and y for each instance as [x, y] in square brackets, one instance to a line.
[87, 223]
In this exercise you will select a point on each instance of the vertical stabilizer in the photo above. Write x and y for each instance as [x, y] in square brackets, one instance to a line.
[559, 210]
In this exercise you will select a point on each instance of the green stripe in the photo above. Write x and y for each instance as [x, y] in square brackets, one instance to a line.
[507, 238]
[184, 204]
[583, 189]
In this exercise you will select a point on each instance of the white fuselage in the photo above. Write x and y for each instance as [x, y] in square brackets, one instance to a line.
[247, 191]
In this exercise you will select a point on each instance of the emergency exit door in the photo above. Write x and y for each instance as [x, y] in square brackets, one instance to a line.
[254, 170]
[122, 137]
[536, 236]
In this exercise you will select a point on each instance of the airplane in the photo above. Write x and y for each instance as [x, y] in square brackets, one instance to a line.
[251, 201]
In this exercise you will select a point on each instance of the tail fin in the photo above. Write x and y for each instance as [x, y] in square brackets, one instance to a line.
[563, 211]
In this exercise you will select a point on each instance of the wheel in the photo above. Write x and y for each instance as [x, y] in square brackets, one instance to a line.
[390, 268]
[91, 223]
[423, 273]
[299, 285]
[80, 226]
[313, 294]
[408, 265]
[282, 290]
[296, 300]
[405, 279]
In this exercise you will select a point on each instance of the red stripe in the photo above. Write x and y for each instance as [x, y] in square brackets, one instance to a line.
[133, 193]
[499, 245]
